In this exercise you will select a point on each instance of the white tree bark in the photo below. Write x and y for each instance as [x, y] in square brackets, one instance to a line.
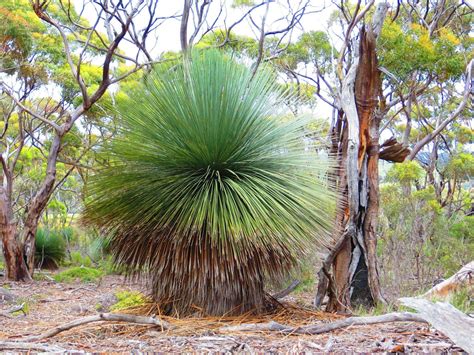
[446, 318]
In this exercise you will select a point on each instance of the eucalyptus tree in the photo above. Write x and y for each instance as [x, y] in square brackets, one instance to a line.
[57, 67]
[212, 189]
[49, 47]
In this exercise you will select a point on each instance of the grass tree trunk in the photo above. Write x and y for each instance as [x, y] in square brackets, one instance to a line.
[354, 279]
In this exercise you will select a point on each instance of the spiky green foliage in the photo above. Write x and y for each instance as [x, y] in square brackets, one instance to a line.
[50, 248]
[211, 187]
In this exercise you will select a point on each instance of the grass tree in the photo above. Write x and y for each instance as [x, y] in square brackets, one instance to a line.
[212, 188]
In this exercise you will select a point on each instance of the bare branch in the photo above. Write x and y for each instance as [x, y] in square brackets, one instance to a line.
[183, 32]
[355, 20]
[31, 112]
[39, 8]
[467, 93]
[110, 317]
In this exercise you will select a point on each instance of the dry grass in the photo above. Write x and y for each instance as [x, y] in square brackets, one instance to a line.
[51, 304]
[284, 313]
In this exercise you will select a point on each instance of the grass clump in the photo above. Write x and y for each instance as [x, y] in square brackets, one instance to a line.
[50, 249]
[128, 299]
[463, 299]
[82, 274]
[211, 182]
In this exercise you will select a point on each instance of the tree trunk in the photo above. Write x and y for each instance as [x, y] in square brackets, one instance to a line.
[38, 204]
[19, 246]
[15, 265]
[354, 279]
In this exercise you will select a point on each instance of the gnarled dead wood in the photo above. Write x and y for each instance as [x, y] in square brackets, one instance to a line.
[464, 277]
[21, 307]
[447, 319]
[326, 327]
[391, 150]
[286, 291]
[110, 317]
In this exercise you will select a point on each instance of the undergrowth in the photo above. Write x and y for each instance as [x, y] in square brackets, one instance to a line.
[81, 273]
[462, 299]
[77, 259]
[128, 299]
[50, 248]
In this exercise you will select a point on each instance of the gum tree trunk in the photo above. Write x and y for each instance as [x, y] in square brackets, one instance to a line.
[15, 265]
[19, 245]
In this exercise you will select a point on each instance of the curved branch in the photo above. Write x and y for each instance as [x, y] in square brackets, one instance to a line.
[110, 317]
[26, 109]
[467, 93]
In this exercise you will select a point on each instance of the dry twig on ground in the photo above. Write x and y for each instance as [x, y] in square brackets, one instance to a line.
[326, 327]
[110, 317]
[16, 345]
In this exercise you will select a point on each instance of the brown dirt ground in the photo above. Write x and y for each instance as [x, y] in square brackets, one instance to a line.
[51, 304]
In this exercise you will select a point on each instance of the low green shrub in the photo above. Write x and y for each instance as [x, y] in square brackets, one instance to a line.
[128, 299]
[50, 248]
[77, 259]
[80, 273]
[40, 276]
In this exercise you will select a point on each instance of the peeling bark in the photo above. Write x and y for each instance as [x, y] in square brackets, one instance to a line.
[354, 279]
[15, 265]
[391, 150]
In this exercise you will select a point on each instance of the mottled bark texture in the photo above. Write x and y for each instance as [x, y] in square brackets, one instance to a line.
[19, 244]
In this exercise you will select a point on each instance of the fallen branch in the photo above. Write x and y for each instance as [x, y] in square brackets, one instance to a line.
[343, 323]
[447, 319]
[16, 345]
[326, 327]
[108, 317]
[464, 277]
[286, 291]
[256, 327]
[21, 307]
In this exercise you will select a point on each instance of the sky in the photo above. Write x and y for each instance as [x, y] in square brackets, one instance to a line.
[168, 33]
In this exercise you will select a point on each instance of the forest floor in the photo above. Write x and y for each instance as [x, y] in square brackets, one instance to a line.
[50, 304]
